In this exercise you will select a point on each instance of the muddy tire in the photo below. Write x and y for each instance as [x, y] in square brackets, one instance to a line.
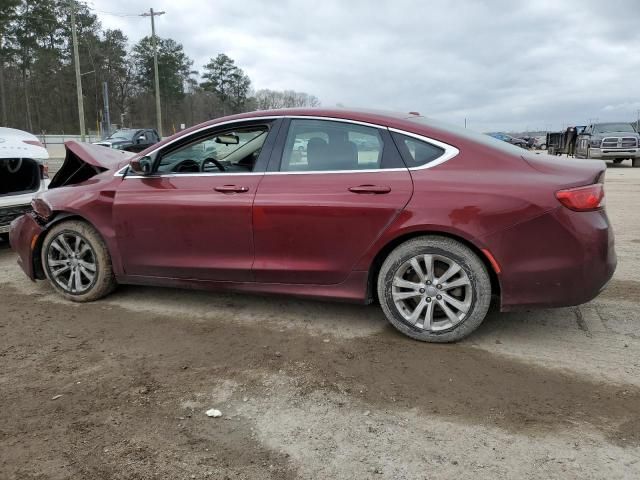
[434, 289]
[76, 262]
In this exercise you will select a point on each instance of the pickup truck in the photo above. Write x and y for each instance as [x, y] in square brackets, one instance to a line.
[131, 139]
[609, 141]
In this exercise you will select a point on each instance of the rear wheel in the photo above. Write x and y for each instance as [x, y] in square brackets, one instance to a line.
[434, 289]
[76, 262]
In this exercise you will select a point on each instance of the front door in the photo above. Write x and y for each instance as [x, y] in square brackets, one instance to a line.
[338, 185]
[192, 217]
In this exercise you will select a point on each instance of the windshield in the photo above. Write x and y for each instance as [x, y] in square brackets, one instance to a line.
[123, 134]
[614, 127]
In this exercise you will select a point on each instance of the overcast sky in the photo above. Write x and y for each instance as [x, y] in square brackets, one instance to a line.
[503, 65]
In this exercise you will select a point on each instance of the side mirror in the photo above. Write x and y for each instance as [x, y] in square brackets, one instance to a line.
[141, 139]
[141, 166]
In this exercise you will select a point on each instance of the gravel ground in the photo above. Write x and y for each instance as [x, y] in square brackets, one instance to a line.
[118, 389]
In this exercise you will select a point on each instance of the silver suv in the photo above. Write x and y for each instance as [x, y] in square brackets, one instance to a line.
[609, 141]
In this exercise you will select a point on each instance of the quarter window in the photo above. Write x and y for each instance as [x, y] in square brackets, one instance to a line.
[417, 153]
[322, 145]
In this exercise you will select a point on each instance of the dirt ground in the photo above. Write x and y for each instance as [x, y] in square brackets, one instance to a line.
[118, 389]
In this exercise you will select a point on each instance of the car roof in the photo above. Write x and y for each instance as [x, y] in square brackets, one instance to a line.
[402, 121]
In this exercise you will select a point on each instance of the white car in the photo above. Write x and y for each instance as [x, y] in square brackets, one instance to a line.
[23, 173]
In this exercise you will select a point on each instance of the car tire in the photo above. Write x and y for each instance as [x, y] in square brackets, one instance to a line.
[635, 162]
[73, 249]
[618, 160]
[474, 295]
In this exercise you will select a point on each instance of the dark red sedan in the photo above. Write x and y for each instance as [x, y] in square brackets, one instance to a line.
[429, 220]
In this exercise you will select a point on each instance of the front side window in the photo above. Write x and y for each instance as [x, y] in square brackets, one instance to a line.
[230, 151]
[324, 145]
[416, 153]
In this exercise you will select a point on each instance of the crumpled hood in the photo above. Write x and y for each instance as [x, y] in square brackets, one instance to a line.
[84, 160]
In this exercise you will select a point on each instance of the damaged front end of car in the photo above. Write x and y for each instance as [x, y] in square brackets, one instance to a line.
[84, 160]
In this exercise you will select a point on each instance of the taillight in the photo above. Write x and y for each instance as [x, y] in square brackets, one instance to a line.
[582, 199]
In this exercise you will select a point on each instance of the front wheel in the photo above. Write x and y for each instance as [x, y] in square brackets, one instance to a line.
[635, 162]
[434, 289]
[76, 262]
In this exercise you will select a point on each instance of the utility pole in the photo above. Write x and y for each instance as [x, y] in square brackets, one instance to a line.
[107, 116]
[153, 14]
[76, 61]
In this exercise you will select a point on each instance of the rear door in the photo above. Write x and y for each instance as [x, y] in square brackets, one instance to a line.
[332, 189]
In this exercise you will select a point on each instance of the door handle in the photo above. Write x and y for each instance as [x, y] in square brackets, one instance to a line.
[231, 189]
[371, 189]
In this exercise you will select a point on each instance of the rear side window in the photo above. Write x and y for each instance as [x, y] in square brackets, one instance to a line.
[317, 145]
[416, 153]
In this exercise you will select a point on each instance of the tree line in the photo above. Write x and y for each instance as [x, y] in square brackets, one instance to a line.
[37, 79]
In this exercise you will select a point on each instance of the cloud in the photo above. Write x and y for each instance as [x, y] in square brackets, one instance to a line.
[503, 65]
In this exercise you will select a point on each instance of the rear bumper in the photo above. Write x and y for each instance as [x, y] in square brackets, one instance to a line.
[559, 259]
[613, 153]
[24, 238]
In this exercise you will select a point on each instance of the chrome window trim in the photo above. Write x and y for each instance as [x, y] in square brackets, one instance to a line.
[449, 150]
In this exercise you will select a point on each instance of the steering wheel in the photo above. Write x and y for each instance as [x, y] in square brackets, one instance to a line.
[187, 165]
[14, 165]
[214, 161]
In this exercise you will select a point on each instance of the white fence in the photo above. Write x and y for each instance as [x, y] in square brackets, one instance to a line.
[48, 140]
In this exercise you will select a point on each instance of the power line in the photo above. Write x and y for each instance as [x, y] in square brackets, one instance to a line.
[115, 14]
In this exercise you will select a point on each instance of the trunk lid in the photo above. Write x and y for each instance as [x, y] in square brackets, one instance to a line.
[569, 172]
[84, 160]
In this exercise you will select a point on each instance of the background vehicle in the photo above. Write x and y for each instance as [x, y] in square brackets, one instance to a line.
[609, 141]
[509, 139]
[131, 139]
[428, 219]
[23, 172]
[563, 143]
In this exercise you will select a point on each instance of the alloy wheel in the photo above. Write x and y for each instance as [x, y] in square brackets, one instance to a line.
[432, 292]
[72, 262]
